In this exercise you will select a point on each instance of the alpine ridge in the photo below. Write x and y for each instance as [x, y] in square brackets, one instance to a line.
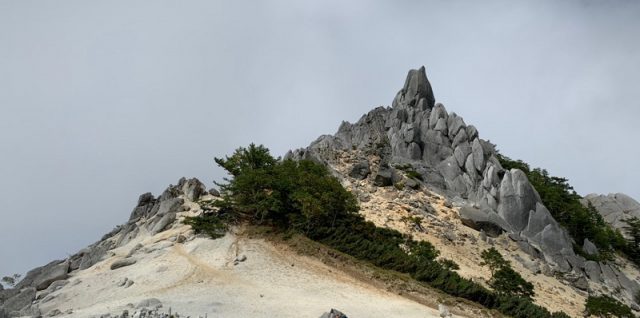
[414, 167]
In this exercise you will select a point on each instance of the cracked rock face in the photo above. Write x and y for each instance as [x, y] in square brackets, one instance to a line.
[450, 156]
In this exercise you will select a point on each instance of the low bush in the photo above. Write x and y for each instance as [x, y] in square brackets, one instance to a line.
[605, 306]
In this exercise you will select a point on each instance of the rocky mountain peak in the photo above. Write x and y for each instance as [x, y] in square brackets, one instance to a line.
[416, 91]
[417, 142]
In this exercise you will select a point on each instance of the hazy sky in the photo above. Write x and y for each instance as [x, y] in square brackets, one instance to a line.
[101, 101]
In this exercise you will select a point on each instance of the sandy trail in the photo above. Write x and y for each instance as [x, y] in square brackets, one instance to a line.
[199, 277]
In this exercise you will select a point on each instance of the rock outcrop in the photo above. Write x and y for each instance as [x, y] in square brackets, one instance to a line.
[151, 215]
[614, 208]
[418, 135]
[449, 156]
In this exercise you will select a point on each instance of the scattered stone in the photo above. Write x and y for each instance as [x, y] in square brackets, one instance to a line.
[55, 312]
[181, 239]
[444, 311]
[239, 259]
[128, 284]
[214, 192]
[122, 282]
[333, 313]
[122, 263]
[154, 303]
[449, 235]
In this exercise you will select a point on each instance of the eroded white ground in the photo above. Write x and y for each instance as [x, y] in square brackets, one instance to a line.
[199, 277]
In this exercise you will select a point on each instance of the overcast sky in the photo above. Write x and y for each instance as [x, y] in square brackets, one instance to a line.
[101, 101]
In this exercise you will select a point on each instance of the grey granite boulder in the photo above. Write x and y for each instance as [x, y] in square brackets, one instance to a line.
[192, 188]
[609, 277]
[614, 208]
[461, 153]
[543, 232]
[360, 170]
[123, 263]
[589, 247]
[592, 269]
[146, 202]
[129, 231]
[482, 220]
[630, 287]
[43, 275]
[93, 254]
[384, 176]
[152, 303]
[333, 313]
[21, 300]
[170, 205]
[163, 223]
[51, 274]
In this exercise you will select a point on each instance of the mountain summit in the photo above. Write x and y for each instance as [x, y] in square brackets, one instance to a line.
[451, 158]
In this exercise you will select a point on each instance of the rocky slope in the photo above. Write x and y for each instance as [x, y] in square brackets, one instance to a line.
[417, 146]
[154, 265]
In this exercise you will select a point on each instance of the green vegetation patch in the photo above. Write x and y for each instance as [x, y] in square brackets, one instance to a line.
[302, 197]
[605, 306]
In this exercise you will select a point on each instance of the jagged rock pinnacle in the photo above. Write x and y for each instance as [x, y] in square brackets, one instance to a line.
[417, 87]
